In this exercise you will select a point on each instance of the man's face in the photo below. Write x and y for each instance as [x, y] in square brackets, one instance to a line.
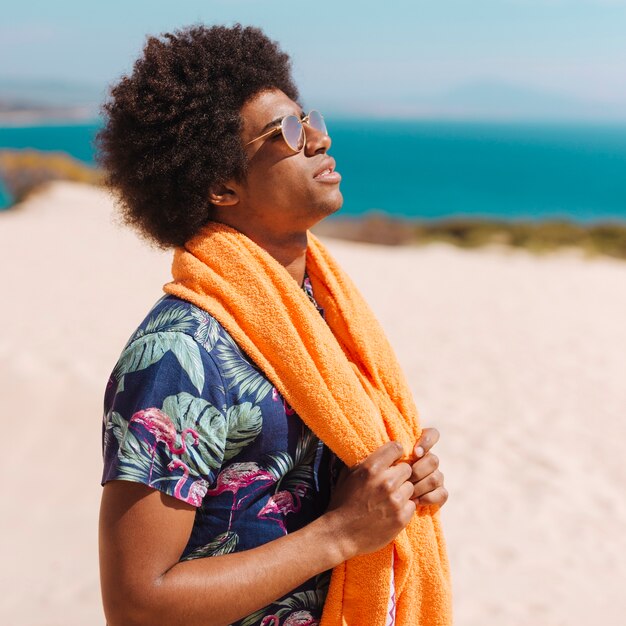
[283, 190]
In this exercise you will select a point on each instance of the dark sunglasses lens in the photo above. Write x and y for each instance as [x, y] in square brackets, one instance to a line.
[317, 122]
[293, 132]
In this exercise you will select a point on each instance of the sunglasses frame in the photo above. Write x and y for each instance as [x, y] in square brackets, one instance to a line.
[301, 122]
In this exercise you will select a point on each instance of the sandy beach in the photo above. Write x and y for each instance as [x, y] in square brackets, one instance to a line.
[519, 360]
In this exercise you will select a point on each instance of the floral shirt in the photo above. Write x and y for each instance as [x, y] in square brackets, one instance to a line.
[188, 413]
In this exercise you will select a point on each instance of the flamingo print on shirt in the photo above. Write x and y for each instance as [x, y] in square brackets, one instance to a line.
[197, 490]
[239, 476]
[281, 504]
[299, 618]
[161, 427]
[277, 397]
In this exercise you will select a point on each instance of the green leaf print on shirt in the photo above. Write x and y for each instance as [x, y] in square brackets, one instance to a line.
[295, 472]
[279, 464]
[172, 319]
[208, 330]
[187, 428]
[245, 422]
[224, 543]
[150, 348]
[137, 462]
[236, 370]
[299, 606]
[187, 411]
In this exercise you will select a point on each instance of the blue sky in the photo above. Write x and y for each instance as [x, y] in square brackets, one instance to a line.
[402, 58]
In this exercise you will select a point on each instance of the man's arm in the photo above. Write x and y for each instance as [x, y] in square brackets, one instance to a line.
[143, 533]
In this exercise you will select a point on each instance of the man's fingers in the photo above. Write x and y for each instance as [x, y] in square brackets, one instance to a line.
[425, 466]
[383, 457]
[396, 475]
[438, 497]
[405, 491]
[428, 484]
[430, 436]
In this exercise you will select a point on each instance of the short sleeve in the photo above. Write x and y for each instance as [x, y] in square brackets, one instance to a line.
[165, 417]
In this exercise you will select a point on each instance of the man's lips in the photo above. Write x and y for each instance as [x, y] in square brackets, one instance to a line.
[326, 173]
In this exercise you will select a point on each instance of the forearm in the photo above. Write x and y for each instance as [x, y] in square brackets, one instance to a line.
[221, 589]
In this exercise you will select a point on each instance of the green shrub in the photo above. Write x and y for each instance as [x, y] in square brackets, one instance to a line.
[539, 237]
[23, 171]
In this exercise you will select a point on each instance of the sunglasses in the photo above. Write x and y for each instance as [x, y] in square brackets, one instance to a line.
[291, 126]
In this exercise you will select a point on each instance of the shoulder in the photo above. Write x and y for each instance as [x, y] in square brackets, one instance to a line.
[173, 320]
[174, 338]
[173, 315]
[177, 334]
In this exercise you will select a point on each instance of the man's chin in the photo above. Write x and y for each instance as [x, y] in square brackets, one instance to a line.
[332, 206]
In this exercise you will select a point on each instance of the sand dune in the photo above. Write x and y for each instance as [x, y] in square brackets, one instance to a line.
[520, 361]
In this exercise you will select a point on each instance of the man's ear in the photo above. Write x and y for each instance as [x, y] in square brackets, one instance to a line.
[223, 195]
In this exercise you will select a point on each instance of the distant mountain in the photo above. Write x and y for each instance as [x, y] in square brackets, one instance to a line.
[51, 92]
[480, 100]
[492, 100]
[31, 100]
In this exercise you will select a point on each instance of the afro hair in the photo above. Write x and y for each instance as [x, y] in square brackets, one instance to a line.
[172, 128]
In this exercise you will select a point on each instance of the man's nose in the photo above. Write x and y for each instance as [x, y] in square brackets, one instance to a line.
[316, 141]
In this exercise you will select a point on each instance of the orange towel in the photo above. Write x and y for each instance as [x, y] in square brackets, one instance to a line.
[342, 378]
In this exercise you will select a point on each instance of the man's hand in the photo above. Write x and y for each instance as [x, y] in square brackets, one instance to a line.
[372, 501]
[426, 477]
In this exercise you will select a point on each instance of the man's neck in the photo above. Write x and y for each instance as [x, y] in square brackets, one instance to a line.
[289, 249]
[289, 252]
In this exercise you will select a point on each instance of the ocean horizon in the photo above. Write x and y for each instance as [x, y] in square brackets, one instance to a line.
[429, 169]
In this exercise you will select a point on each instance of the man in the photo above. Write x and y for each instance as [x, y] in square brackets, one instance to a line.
[220, 504]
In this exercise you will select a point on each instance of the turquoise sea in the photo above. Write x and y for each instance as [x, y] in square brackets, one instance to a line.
[433, 169]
